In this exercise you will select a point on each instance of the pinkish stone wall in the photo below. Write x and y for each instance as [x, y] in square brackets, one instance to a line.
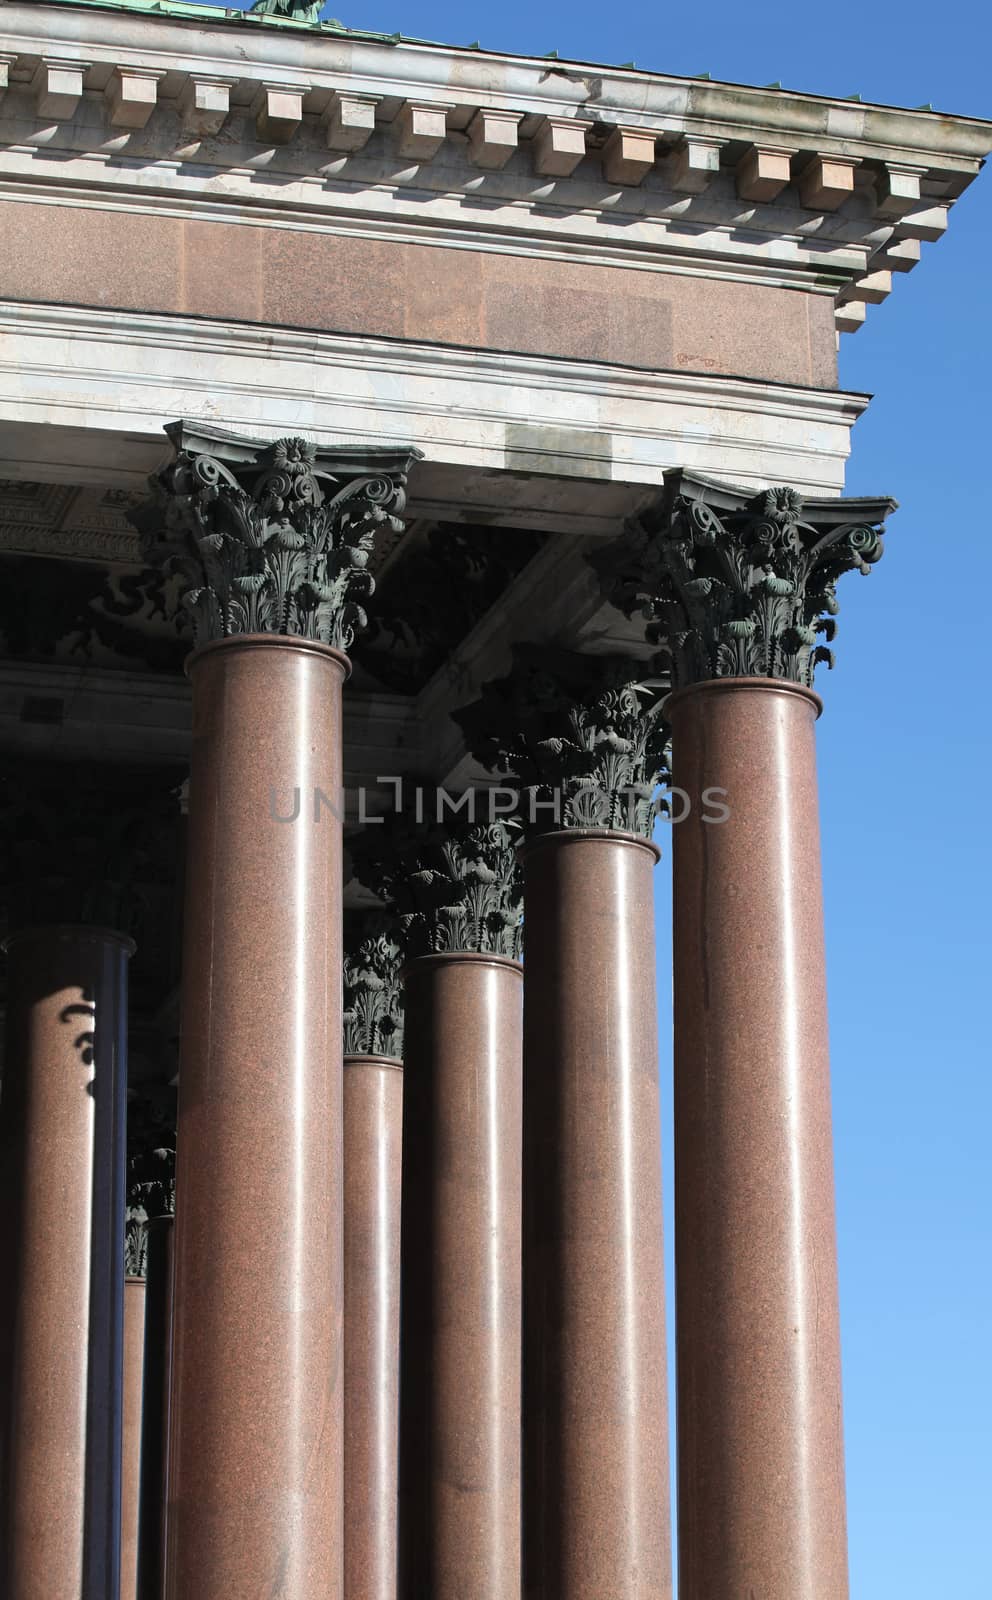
[143, 262]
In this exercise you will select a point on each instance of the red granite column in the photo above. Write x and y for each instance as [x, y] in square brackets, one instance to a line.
[255, 1448]
[738, 592]
[274, 542]
[62, 1153]
[761, 1465]
[155, 1409]
[460, 1347]
[373, 1118]
[134, 1349]
[595, 1402]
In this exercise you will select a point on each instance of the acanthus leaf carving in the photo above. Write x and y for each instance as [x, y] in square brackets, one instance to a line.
[151, 1193]
[271, 538]
[455, 887]
[373, 988]
[584, 738]
[738, 585]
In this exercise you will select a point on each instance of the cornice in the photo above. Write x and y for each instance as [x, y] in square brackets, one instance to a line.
[396, 63]
[728, 180]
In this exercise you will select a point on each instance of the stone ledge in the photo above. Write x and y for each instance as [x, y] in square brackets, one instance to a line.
[505, 435]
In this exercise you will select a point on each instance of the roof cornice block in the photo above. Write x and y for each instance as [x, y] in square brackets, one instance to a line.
[628, 155]
[559, 146]
[350, 120]
[205, 104]
[278, 111]
[492, 137]
[132, 95]
[58, 87]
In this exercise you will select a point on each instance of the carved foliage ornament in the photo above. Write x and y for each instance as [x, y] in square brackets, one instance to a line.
[582, 736]
[151, 1192]
[271, 539]
[373, 992]
[456, 887]
[748, 590]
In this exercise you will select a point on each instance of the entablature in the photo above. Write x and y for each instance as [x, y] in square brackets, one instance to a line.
[316, 127]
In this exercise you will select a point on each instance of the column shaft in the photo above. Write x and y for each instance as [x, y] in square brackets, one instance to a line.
[460, 1346]
[155, 1409]
[761, 1478]
[255, 1449]
[62, 1154]
[134, 1350]
[373, 1118]
[596, 1512]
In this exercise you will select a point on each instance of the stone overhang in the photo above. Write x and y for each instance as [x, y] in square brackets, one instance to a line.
[327, 131]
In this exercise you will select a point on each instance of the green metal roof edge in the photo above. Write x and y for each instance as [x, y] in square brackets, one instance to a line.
[183, 9]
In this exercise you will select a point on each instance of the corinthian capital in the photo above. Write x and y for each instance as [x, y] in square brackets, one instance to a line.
[582, 737]
[455, 887]
[271, 538]
[733, 584]
[373, 991]
[151, 1192]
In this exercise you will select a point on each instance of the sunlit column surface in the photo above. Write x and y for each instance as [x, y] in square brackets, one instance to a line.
[134, 1351]
[373, 1122]
[62, 1165]
[737, 593]
[761, 1450]
[256, 1405]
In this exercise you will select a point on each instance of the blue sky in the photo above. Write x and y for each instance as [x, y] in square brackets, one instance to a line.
[905, 765]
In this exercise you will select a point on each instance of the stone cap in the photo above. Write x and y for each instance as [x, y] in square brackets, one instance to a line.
[239, 449]
[823, 511]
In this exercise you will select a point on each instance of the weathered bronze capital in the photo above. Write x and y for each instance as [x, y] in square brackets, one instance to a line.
[373, 989]
[581, 736]
[453, 888]
[271, 538]
[735, 584]
[151, 1193]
